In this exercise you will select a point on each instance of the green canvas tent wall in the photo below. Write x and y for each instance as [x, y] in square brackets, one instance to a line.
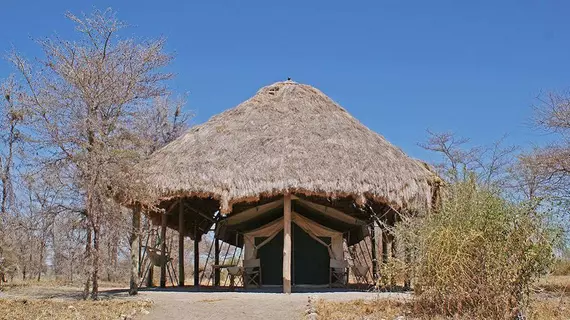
[313, 246]
[318, 234]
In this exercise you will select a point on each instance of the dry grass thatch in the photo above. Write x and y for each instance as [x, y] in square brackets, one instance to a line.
[289, 137]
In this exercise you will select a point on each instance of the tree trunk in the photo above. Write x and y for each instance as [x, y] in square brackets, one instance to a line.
[5, 173]
[134, 241]
[95, 276]
[88, 264]
[41, 260]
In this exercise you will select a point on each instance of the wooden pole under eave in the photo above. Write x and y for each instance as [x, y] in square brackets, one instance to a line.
[181, 230]
[163, 250]
[217, 262]
[287, 244]
[134, 241]
[385, 249]
[373, 248]
[151, 241]
[196, 257]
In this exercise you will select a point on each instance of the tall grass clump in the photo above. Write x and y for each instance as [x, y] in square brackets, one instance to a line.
[477, 254]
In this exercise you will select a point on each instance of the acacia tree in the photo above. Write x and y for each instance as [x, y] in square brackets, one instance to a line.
[490, 164]
[551, 164]
[86, 95]
[548, 167]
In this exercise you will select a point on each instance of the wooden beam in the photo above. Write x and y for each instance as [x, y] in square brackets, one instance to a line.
[205, 216]
[373, 248]
[181, 231]
[385, 249]
[135, 250]
[163, 250]
[287, 244]
[393, 251]
[196, 257]
[217, 262]
[150, 279]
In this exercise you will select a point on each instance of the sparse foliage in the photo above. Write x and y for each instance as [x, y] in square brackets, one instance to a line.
[99, 104]
[489, 163]
[478, 254]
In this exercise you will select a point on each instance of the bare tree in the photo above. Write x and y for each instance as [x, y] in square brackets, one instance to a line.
[490, 164]
[11, 117]
[547, 169]
[87, 96]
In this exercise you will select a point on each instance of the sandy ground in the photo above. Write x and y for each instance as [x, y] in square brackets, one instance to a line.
[186, 303]
[240, 305]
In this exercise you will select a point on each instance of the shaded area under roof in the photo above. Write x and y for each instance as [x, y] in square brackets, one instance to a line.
[232, 228]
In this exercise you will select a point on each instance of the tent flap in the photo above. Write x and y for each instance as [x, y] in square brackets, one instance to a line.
[270, 230]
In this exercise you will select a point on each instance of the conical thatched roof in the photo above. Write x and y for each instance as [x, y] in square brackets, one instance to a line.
[289, 137]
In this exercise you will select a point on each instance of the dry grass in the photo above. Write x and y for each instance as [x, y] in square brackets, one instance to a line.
[552, 302]
[543, 308]
[62, 310]
[362, 309]
[55, 300]
[558, 285]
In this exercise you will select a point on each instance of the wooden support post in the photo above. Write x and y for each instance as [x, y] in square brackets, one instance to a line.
[163, 250]
[385, 249]
[151, 242]
[181, 231]
[287, 244]
[217, 262]
[135, 250]
[196, 257]
[373, 252]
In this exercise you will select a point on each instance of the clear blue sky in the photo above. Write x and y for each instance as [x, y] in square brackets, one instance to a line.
[401, 67]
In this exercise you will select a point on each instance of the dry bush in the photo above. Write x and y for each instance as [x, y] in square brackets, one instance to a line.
[561, 268]
[478, 254]
[390, 274]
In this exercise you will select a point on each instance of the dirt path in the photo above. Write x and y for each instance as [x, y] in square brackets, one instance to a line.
[237, 305]
[176, 303]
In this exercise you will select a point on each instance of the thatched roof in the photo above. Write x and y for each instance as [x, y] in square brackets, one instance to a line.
[289, 137]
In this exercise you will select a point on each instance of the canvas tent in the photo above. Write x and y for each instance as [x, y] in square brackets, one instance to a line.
[291, 153]
[260, 230]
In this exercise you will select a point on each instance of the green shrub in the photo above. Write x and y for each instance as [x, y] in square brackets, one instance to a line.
[478, 254]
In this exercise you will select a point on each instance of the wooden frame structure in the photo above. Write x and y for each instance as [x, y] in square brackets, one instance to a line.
[366, 256]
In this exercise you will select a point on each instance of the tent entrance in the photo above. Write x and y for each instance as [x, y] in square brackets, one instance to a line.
[271, 256]
[310, 258]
